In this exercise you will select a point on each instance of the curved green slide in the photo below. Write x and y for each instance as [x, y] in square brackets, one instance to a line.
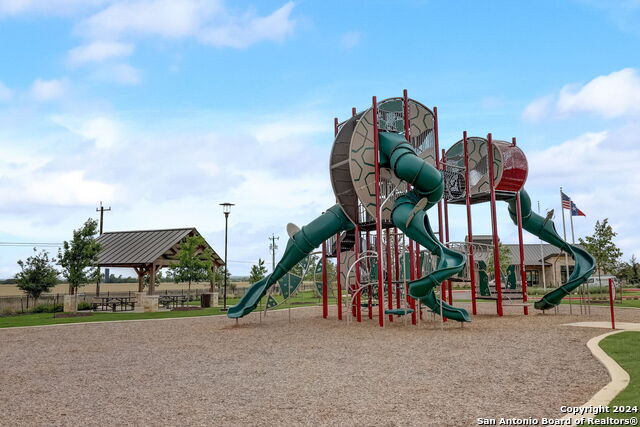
[546, 230]
[409, 215]
[301, 244]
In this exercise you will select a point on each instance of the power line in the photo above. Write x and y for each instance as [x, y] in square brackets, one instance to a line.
[39, 244]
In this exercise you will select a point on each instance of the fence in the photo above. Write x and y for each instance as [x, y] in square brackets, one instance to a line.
[24, 303]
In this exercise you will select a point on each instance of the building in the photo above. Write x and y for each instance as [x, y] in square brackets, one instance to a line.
[537, 258]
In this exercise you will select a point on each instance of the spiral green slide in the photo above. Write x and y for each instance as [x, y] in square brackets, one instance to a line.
[301, 244]
[409, 215]
[546, 230]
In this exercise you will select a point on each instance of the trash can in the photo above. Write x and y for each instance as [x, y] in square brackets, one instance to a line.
[205, 300]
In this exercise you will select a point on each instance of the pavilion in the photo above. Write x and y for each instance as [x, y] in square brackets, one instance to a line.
[146, 251]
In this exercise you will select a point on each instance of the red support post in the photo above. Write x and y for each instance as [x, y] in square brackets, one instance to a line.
[338, 277]
[407, 135]
[494, 227]
[613, 314]
[370, 288]
[389, 276]
[376, 158]
[356, 311]
[443, 292]
[523, 272]
[472, 273]
[338, 250]
[325, 296]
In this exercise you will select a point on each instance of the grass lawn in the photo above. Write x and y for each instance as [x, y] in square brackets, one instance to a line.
[299, 300]
[624, 348]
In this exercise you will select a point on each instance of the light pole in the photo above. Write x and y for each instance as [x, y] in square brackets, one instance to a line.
[226, 208]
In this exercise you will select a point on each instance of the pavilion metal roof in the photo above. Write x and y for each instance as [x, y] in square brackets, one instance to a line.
[143, 247]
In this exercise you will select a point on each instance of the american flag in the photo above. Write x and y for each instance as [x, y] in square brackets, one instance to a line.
[566, 201]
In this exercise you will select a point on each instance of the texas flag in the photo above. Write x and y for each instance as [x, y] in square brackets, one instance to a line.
[567, 203]
[575, 211]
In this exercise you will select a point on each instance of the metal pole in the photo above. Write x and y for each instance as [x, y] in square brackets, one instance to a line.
[325, 296]
[226, 267]
[357, 308]
[407, 135]
[338, 278]
[370, 287]
[566, 256]
[338, 249]
[613, 314]
[494, 227]
[544, 279]
[396, 265]
[389, 276]
[446, 225]
[472, 274]
[376, 158]
[523, 273]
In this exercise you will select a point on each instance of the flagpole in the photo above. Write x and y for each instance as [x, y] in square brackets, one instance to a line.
[573, 238]
[542, 262]
[566, 257]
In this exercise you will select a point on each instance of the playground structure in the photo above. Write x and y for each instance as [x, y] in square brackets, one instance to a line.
[387, 171]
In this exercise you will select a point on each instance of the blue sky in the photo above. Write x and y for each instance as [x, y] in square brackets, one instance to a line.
[163, 109]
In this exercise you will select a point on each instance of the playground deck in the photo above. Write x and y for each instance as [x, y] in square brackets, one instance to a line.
[307, 372]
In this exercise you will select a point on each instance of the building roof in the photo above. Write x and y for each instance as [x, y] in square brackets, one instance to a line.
[533, 253]
[144, 247]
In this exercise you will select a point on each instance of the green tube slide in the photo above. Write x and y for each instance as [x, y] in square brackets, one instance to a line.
[546, 230]
[409, 215]
[301, 244]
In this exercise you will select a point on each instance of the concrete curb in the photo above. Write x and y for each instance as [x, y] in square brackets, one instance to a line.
[619, 380]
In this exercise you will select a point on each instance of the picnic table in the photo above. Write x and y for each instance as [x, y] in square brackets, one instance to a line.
[112, 303]
[172, 301]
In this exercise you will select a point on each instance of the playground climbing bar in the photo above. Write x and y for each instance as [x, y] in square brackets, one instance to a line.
[523, 272]
[494, 227]
[376, 156]
[472, 273]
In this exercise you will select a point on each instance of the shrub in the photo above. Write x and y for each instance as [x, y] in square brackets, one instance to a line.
[48, 308]
[84, 305]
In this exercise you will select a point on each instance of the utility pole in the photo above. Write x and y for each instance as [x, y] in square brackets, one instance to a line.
[273, 247]
[102, 210]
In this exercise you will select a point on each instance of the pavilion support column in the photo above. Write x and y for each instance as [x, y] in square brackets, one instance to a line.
[152, 278]
[140, 273]
[150, 301]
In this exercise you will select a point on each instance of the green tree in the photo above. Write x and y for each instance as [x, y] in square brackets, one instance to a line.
[602, 248]
[195, 260]
[505, 259]
[37, 276]
[79, 257]
[629, 271]
[258, 271]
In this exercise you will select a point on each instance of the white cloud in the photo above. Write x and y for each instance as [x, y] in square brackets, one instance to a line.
[46, 90]
[538, 109]
[599, 171]
[123, 73]
[103, 131]
[350, 40]
[613, 95]
[99, 51]
[55, 7]
[166, 18]
[610, 96]
[243, 31]
[5, 93]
